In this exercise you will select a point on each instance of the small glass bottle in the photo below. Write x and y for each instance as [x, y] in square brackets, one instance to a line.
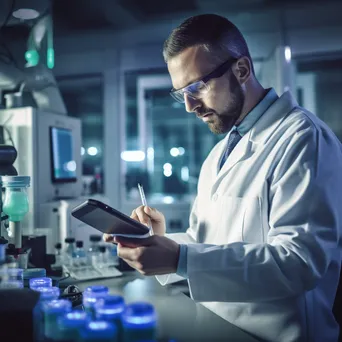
[113, 252]
[69, 252]
[71, 324]
[80, 258]
[15, 278]
[110, 309]
[58, 255]
[46, 294]
[93, 251]
[101, 261]
[139, 322]
[99, 331]
[52, 311]
[91, 296]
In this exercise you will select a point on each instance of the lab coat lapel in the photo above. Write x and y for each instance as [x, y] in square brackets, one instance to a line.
[240, 152]
[256, 137]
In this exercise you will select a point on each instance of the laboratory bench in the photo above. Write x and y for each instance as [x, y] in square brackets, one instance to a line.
[179, 317]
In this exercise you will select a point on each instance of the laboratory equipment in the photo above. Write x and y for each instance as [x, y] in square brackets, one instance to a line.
[58, 257]
[69, 252]
[139, 322]
[30, 273]
[11, 277]
[16, 274]
[110, 309]
[80, 257]
[46, 294]
[31, 133]
[15, 207]
[91, 272]
[91, 296]
[99, 331]
[70, 325]
[93, 251]
[102, 261]
[40, 282]
[52, 311]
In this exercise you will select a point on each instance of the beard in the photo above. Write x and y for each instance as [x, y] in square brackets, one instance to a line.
[223, 122]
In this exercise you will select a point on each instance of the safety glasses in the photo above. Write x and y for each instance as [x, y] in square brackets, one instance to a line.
[198, 89]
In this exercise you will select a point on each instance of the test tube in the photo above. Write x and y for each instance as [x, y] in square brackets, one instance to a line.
[40, 282]
[52, 311]
[99, 331]
[91, 296]
[71, 324]
[110, 309]
[139, 322]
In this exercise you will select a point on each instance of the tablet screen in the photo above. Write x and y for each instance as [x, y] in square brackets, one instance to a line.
[110, 224]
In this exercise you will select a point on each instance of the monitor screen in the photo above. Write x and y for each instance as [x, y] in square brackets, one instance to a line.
[62, 156]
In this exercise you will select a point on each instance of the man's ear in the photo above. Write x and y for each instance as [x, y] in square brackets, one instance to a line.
[242, 70]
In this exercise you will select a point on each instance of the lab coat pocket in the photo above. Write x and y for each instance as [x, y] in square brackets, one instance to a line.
[252, 227]
[240, 220]
[231, 216]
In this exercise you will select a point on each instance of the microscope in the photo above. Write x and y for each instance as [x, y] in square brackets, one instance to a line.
[13, 206]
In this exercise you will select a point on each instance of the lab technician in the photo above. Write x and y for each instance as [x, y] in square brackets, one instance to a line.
[263, 246]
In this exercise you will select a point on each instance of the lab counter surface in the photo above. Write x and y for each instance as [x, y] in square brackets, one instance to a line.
[179, 317]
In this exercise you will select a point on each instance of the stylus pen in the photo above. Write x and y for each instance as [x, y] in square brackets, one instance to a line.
[144, 202]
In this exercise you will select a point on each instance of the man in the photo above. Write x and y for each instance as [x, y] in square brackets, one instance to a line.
[263, 247]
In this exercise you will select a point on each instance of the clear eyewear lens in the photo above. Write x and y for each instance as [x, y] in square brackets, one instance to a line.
[195, 90]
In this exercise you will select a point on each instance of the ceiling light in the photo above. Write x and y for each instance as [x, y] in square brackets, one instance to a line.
[25, 14]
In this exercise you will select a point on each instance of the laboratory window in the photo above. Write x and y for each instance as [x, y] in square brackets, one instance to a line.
[319, 88]
[164, 146]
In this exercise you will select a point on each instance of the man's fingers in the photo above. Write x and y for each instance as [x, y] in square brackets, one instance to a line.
[130, 254]
[142, 216]
[132, 243]
[108, 238]
[134, 215]
[154, 214]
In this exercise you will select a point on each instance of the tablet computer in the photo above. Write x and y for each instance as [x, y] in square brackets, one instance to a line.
[109, 220]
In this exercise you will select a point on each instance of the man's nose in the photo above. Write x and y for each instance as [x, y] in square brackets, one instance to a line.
[191, 104]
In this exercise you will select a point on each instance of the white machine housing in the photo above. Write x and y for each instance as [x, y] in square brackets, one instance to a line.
[30, 131]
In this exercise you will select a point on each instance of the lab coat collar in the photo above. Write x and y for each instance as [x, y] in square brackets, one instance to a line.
[258, 135]
[263, 129]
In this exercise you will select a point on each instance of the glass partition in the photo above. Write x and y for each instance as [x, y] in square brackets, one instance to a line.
[165, 145]
[319, 89]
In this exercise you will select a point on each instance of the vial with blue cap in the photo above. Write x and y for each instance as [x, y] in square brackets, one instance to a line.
[71, 324]
[40, 282]
[139, 322]
[110, 309]
[91, 297]
[99, 331]
[52, 311]
[46, 294]
[12, 278]
[30, 273]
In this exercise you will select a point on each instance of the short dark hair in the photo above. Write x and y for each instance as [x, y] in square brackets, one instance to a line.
[215, 33]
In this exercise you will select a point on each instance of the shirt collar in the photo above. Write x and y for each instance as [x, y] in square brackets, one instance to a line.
[254, 115]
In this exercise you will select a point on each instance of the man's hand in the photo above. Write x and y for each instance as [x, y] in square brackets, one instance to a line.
[142, 214]
[150, 256]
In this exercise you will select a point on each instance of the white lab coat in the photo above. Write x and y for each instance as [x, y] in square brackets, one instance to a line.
[264, 247]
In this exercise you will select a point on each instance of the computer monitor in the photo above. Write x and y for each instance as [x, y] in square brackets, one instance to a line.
[63, 165]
